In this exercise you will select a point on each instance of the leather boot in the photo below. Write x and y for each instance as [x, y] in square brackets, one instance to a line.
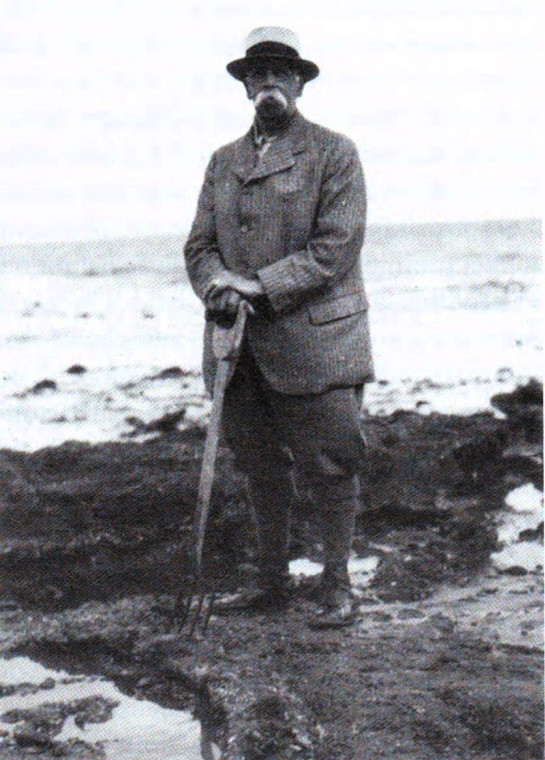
[337, 607]
[338, 611]
[266, 598]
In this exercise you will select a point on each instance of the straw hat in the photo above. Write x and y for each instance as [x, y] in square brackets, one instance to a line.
[272, 43]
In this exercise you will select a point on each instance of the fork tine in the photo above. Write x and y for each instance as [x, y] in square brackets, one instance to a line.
[185, 612]
[197, 614]
[196, 609]
[185, 602]
[208, 613]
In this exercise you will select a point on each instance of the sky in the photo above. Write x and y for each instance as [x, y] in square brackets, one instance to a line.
[112, 108]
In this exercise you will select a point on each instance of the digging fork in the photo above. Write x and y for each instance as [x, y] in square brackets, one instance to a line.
[197, 607]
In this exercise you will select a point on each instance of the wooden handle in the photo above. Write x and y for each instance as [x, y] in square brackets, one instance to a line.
[226, 341]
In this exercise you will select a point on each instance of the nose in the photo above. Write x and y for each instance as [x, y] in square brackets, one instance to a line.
[270, 77]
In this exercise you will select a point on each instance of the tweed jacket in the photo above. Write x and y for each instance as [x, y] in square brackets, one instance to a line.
[294, 218]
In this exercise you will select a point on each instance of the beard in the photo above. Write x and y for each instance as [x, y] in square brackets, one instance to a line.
[270, 104]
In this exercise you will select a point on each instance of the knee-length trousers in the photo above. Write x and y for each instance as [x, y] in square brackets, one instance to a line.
[269, 432]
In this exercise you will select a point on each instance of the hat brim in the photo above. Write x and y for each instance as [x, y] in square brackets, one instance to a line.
[240, 68]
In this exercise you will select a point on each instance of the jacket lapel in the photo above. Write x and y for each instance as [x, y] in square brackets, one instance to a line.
[279, 157]
[244, 159]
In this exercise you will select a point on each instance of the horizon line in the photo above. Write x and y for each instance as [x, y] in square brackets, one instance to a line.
[150, 235]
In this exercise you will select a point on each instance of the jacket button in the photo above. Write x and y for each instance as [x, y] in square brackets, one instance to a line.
[244, 228]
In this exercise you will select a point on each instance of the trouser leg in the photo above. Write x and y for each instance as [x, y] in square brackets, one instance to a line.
[272, 501]
[252, 435]
[337, 504]
[322, 431]
[324, 434]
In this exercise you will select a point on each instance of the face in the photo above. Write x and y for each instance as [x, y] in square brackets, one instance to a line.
[274, 87]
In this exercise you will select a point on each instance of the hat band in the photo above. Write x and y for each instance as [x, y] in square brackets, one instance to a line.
[264, 49]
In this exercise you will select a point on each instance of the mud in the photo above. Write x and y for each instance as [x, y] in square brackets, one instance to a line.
[444, 661]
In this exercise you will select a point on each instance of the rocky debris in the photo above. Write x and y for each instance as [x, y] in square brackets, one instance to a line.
[31, 737]
[17, 492]
[25, 689]
[528, 395]
[425, 384]
[524, 410]
[532, 534]
[481, 455]
[101, 517]
[76, 369]
[525, 462]
[496, 725]
[40, 387]
[166, 424]
[75, 749]
[36, 728]
[48, 718]
[170, 373]
[269, 721]
[517, 570]
[411, 458]
[9, 605]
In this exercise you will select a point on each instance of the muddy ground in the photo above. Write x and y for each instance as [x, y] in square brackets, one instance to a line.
[444, 661]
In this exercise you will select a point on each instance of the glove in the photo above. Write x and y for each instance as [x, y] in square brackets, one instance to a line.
[225, 291]
[222, 306]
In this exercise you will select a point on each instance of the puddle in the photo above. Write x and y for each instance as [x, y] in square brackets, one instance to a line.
[524, 512]
[361, 569]
[305, 567]
[525, 499]
[136, 729]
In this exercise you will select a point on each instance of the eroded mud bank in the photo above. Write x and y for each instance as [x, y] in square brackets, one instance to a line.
[94, 548]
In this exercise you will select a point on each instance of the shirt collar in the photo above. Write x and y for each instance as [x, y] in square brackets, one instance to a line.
[261, 139]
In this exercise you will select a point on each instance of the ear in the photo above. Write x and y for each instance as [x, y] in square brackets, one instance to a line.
[301, 85]
[249, 91]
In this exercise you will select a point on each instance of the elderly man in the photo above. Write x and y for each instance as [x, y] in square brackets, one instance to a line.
[280, 223]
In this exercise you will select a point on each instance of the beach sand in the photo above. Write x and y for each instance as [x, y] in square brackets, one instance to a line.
[455, 317]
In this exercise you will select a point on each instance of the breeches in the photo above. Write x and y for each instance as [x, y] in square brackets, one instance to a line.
[269, 432]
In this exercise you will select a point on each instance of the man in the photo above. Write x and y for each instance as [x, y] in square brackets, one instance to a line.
[280, 222]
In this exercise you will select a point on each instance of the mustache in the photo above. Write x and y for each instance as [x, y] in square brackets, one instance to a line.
[273, 95]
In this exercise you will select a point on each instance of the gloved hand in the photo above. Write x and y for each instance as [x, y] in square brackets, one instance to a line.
[224, 293]
[248, 287]
[222, 306]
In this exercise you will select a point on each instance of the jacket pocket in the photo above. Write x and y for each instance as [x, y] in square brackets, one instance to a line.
[345, 306]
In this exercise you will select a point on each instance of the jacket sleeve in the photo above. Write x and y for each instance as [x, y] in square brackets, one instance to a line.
[336, 239]
[202, 255]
